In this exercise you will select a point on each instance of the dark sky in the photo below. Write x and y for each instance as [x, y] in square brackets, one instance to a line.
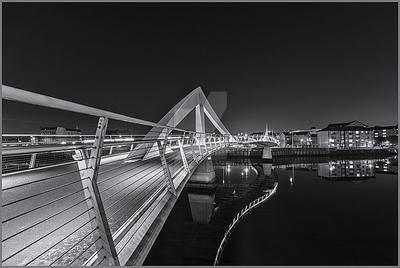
[291, 65]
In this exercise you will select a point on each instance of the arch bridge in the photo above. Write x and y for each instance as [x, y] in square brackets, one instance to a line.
[97, 199]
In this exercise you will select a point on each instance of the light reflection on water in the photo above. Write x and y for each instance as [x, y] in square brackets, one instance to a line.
[306, 204]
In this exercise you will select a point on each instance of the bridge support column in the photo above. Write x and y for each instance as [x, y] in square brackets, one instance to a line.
[204, 173]
[161, 148]
[267, 153]
[89, 169]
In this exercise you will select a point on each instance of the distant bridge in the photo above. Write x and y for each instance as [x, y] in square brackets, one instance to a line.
[262, 139]
[99, 199]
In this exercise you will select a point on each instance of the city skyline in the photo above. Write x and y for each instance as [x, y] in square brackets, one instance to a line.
[293, 66]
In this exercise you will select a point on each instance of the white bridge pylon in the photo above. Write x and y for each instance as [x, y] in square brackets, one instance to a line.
[194, 100]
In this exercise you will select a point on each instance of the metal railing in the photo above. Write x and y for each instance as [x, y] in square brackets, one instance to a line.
[70, 199]
[241, 214]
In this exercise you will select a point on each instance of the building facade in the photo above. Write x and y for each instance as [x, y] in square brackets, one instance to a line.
[349, 135]
[298, 138]
[385, 135]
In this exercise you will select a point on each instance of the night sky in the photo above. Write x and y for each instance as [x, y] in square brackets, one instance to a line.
[291, 65]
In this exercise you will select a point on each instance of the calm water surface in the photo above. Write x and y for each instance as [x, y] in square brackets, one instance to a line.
[336, 212]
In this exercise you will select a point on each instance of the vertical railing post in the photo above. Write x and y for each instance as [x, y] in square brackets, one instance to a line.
[89, 169]
[205, 143]
[111, 149]
[161, 148]
[184, 161]
[32, 161]
[192, 140]
[199, 145]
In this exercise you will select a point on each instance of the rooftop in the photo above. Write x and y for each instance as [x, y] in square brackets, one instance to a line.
[353, 125]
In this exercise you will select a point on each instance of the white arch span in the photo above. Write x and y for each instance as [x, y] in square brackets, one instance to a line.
[194, 100]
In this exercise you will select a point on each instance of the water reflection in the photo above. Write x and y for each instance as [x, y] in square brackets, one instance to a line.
[389, 166]
[347, 169]
[356, 169]
[201, 201]
[218, 190]
[224, 184]
[226, 178]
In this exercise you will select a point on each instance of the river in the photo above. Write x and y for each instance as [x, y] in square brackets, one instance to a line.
[323, 212]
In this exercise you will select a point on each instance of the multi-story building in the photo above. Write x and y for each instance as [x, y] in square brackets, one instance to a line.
[62, 133]
[313, 135]
[349, 135]
[301, 138]
[298, 138]
[284, 139]
[385, 135]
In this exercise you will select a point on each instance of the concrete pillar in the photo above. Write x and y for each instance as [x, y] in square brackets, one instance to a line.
[267, 153]
[204, 173]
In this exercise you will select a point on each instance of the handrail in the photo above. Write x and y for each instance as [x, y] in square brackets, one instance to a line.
[114, 187]
[240, 215]
[20, 95]
[41, 148]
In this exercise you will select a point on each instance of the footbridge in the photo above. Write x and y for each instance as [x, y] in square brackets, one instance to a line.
[98, 199]
[264, 140]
